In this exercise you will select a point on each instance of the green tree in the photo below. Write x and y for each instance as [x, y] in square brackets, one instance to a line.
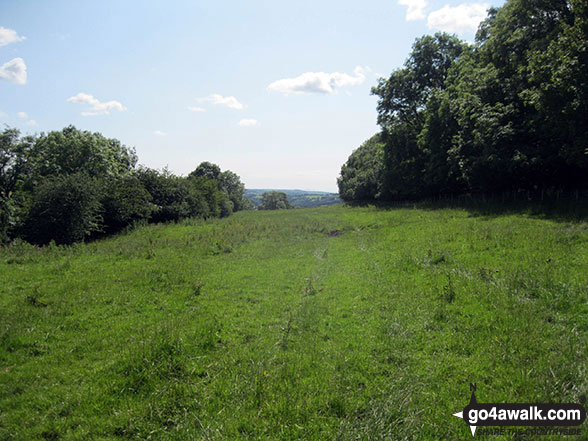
[559, 92]
[402, 113]
[231, 184]
[14, 167]
[206, 199]
[506, 113]
[403, 96]
[274, 200]
[71, 151]
[247, 204]
[168, 194]
[65, 209]
[208, 170]
[124, 201]
[361, 176]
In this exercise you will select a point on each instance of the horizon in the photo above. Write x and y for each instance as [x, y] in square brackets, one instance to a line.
[289, 189]
[279, 95]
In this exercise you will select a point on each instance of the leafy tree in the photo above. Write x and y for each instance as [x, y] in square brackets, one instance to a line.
[435, 140]
[14, 156]
[231, 184]
[65, 209]
[402, 112]
[124, 201]
[361, 176]
[247, 204]
[14, 166]
[559, 91]
[68, 185]
[168, 193]
[274, 200]
[403, 96]
[71, 151]
[507, 113]
[175, 197]
[207, 170]
[206, 200]
[403, 163]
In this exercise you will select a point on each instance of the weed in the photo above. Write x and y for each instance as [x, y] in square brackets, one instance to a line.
[309, 289]
[448, 291]
[33, 298]
[197, 287]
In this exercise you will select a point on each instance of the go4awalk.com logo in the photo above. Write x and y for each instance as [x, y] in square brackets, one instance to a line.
[547, 419]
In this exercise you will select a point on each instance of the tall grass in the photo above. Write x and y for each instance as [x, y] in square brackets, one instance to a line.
[332, 323]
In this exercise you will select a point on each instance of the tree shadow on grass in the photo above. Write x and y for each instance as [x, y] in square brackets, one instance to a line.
[569, 209]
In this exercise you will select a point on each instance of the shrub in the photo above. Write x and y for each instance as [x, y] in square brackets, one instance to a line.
[124, 201]
[65, 209]
[168, 193]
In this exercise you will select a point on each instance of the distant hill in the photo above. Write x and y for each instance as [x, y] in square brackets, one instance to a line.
[298, 198]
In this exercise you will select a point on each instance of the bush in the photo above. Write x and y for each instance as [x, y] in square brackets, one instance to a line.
[65, 209]
[168, 193]
[124, 201]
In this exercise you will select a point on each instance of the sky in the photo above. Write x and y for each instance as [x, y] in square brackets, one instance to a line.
[278, 92]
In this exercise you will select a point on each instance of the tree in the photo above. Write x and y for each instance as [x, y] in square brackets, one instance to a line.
[14, 165]
[208, 170]
[14, 160]
[168, 193]
[274, 200]
[206, 199]
[507, 113]
[361, 176]
[403, 96]
[402, 112]
[231, 184]
[124, 201]
[71, 151]
[63, 208]
[507, 138]
[247, 204]
[559, 91]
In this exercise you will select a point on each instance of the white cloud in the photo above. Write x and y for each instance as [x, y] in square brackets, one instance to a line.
[248, 122]
[8, 36]
[159, 133]
[31, 122]
[14, 71]
[230, 101]
[318, 82]
[22, 115]
[196, 109]
[415, 9]
[458, 19]
[98, 108]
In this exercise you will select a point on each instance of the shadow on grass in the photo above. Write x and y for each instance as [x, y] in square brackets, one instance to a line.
[568, 209]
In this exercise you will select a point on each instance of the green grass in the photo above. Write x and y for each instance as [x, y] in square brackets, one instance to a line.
[323, 324]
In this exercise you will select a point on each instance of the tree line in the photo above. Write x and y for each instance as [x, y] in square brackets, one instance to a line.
[70, 185]
[508, 113]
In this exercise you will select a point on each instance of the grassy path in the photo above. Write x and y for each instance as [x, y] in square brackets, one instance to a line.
[331, 323]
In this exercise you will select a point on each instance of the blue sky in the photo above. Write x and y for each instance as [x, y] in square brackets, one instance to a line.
[278, 92]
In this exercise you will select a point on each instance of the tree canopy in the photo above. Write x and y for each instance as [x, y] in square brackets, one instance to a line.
[70, 185]
[274, 200]
[507, 113]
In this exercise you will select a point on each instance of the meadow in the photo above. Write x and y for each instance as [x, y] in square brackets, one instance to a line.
[333, 323]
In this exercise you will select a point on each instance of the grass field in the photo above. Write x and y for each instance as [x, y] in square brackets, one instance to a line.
[333, 323]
